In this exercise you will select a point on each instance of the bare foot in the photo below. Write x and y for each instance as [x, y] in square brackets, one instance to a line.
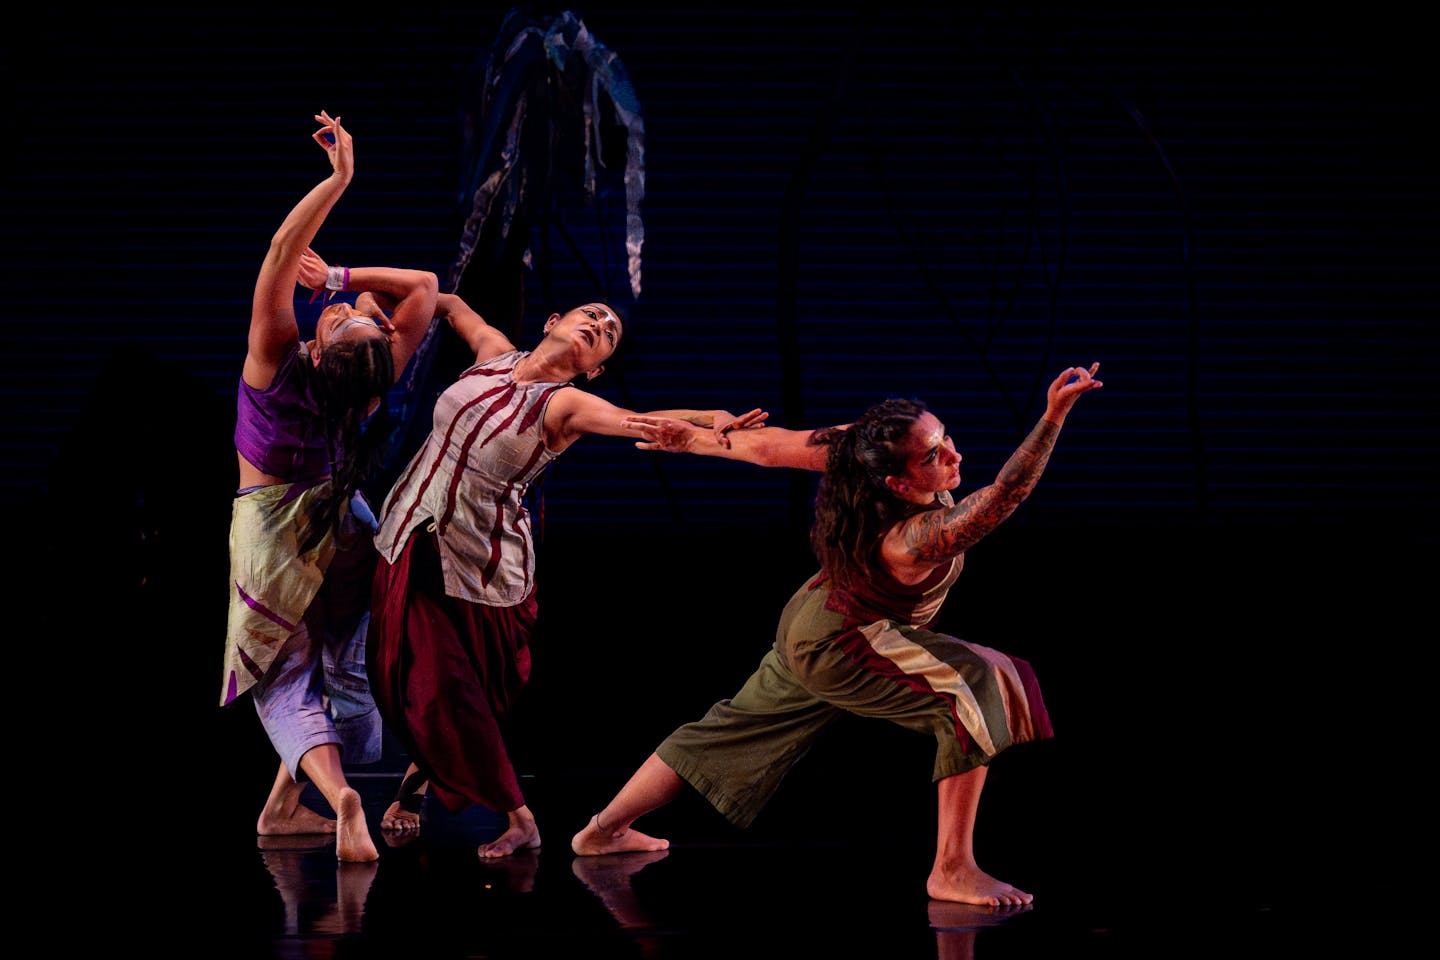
[399, 820]
[395, 839]
[299, 819]
[948, 915]
[352, 835]
[591, 842]
[403, 815]
[521, 835]
[283, 814]
[970, 884]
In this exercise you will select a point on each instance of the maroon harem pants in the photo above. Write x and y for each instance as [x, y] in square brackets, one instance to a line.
[444, 672]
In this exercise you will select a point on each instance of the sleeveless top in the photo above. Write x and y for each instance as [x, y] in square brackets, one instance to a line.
[879, 596]
[468, 482]
[280, 429]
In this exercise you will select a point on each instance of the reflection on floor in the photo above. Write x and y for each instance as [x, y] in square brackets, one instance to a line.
[721, 895]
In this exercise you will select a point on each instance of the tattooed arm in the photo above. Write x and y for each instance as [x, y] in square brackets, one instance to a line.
[935, 536]
[929, 539]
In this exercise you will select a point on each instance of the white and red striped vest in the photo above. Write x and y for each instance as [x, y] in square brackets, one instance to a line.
[468, 482]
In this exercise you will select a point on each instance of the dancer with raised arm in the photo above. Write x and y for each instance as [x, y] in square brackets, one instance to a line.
[301, 556]
[454, 601]
[891, 542]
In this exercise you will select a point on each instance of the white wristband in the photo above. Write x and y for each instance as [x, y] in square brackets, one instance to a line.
[336, 278]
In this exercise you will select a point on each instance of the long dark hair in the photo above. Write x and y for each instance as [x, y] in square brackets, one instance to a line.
[349, 376]
[854, 507]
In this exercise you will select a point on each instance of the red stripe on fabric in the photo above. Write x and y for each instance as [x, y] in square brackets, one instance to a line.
[505, 423]
[395, 490]
[534, 455]
[484, 372]
[494, 560]
[404, 528]
[524, 547]
[459, 473]
[537, 408]
[857, 648]
[1039, 716]
[261, 609]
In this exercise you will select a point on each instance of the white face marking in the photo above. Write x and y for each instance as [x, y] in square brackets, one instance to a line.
[609, 324]
[352, 321]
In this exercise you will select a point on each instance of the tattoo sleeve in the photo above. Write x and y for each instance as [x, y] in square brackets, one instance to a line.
[941, 534]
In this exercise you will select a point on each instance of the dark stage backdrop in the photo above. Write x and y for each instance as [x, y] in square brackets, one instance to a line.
[1219, 580]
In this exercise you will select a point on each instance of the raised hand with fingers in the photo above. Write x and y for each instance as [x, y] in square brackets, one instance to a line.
[1067, 388]
[337, 143]
[724, 423]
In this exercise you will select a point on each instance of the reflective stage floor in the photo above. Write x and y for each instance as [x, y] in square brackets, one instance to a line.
[1235, 771]
[852, 886]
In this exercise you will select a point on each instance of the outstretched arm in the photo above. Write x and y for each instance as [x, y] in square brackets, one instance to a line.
[574, 413]
[721, 423]
[936, 536]
[765, 446]
[272, 313]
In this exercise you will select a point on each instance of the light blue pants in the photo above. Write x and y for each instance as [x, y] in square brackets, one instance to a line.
[317, 691]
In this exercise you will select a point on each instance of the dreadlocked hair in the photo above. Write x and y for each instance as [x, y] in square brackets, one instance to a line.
[350, 374]
[853, 506]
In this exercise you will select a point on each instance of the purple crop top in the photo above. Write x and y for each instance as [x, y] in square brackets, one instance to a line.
[280, 429]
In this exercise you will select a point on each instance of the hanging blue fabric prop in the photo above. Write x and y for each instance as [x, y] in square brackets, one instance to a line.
[548, 93]
[541, 114]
